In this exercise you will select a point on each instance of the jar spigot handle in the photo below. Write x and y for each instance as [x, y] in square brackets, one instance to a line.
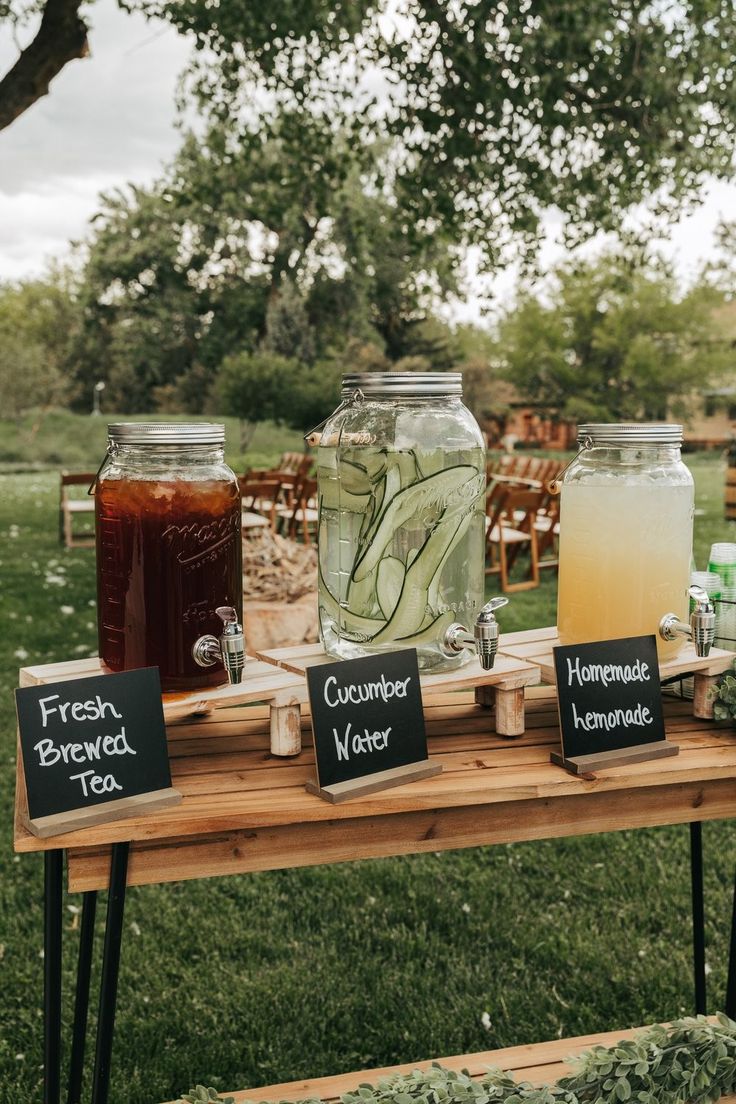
[484, 638]
[702, 627]
[229, 648]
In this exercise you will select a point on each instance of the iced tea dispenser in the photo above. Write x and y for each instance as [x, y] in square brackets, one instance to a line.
[169, 556]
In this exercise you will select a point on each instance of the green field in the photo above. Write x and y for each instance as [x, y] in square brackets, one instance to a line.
[270, 977]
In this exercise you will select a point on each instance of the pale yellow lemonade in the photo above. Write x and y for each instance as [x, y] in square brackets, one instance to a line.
[624, 560]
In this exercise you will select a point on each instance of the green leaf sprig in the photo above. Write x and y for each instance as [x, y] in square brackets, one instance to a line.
[724, 705]
[691, 1061]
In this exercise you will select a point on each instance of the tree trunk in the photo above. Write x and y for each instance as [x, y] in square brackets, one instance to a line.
[62, 37]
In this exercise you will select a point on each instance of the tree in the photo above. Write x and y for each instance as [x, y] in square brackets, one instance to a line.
[38, 326]
[60, 38]
[263, 386]
[228, 255]
[612, 343]
[489, 114]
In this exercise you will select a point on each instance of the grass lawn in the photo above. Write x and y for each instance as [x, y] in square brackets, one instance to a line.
[270, 977]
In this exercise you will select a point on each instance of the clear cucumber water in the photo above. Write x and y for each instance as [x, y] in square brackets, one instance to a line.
[401, 549]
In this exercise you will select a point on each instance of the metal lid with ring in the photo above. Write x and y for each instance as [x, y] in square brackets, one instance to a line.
[629, 434]
[403, 384]
[166, 433]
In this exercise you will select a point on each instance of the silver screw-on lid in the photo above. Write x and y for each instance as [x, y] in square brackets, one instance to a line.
[166, 433]
[409, 384]
[632, 434]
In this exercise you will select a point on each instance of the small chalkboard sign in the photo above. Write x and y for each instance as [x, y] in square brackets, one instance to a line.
[368, 725]
[610, 702]
[93, 750]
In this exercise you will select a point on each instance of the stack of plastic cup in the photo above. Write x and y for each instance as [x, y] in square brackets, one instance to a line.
[710, 581]
[723, 562]
[726, 619]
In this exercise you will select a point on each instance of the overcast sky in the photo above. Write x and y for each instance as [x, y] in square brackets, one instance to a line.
[107, 119]
[110, 119]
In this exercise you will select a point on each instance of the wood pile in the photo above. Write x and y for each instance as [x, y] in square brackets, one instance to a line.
[276, 569]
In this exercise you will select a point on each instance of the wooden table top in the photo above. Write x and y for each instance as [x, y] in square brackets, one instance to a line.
[244, 810]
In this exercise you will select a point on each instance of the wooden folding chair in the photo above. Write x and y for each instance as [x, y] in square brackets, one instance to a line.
[510, 517]
[69, 508]
[302, 517]
[547, 526]
[259, 498]
[294, 461]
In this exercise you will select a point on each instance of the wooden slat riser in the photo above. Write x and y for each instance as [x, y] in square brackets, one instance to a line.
[251, 850]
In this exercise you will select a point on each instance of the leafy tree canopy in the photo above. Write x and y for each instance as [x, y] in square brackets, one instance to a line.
[39, 323]
[231, 254]
[490, 113]
[613, 342]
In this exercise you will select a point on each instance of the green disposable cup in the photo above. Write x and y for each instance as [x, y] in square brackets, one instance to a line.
[722, 562]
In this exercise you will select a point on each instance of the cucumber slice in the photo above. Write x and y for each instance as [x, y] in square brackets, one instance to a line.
[429, 463]
[348, 622]
[430, 633]
[354, 477]
[335, 496]
[390, 487]
[411, 609]
[422, 496]
[406, 463]
[389, 581]
[433, 591]
[361, 597]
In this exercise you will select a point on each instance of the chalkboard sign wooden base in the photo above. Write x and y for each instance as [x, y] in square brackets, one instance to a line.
[621, 757]
[73, 819]
[372, 783]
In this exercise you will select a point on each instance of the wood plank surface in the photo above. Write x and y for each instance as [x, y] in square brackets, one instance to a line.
[245, 810]
[242, 851]
[540, 1063]
[476, 780]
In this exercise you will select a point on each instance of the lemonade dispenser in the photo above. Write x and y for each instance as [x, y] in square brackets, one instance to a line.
[626, 532]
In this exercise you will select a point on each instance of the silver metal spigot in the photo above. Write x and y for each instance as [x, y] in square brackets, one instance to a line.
[484, 638]
[702, 627]
[229, 649]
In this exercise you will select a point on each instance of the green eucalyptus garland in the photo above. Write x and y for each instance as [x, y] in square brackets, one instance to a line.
[724, 704]
[692, 1061]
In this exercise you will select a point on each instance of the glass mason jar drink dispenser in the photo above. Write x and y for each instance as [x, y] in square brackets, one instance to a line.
[626, 533]
[401, 475]
[169, 574]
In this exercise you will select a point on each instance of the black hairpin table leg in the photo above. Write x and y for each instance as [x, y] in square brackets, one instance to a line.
[730, 1008]
[110, 969]
[81, 1003]
[53, 871]
[696, 884]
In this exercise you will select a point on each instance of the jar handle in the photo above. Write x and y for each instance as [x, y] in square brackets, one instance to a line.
[554, 486]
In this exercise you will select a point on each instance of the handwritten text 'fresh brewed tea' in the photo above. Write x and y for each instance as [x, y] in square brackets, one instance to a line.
[82, 752]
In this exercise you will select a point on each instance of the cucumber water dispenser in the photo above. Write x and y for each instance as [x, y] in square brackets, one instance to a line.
[401, 475]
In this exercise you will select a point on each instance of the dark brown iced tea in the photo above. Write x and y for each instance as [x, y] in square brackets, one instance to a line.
[168, 553]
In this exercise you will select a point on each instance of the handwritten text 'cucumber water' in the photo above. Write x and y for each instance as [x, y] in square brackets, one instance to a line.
[353, 741]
